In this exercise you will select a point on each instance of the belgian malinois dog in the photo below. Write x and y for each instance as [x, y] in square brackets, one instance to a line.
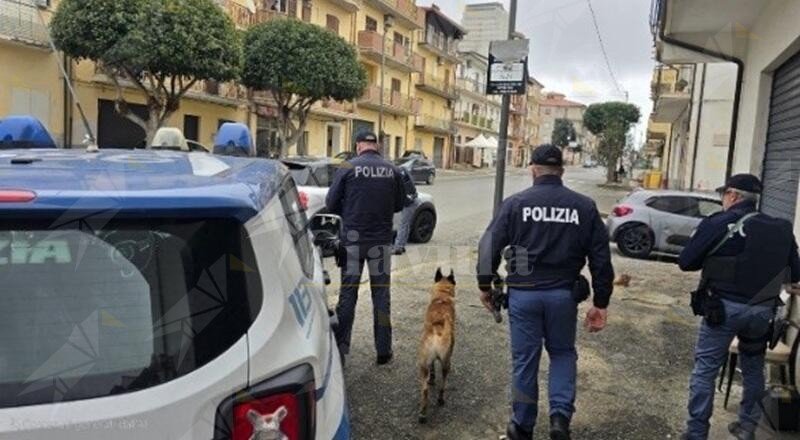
[438, 338]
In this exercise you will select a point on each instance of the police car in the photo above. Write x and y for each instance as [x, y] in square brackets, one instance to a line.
[160, 295]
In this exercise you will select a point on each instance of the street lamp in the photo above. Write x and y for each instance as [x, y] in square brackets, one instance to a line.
[388, 22]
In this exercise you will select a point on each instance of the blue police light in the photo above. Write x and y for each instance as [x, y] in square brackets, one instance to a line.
[24, 132]
[233, 139]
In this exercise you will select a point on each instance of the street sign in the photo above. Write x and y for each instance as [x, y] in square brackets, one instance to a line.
[508, 67]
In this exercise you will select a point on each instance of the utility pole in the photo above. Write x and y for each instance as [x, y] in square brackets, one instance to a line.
[499, 179]
[388, 20]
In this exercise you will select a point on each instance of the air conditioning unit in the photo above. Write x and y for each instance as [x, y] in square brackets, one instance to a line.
[43, 4]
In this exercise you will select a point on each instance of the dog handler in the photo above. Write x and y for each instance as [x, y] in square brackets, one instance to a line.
[550, 231]
[366, 192]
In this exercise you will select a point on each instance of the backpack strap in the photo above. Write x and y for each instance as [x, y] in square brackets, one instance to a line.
[733, 229]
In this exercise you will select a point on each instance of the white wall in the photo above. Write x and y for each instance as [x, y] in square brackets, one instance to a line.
[775, 36]
[715, 126]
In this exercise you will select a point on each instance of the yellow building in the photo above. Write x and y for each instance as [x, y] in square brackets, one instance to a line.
[436, 86]
[30, 79]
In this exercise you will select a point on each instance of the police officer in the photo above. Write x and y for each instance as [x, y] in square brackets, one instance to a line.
[550, 231]
[366, 193]
[745, 257]
[407, 216]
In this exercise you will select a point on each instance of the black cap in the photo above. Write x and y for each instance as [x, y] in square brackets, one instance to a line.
[742, 182]
[367, 136]
[547, 154]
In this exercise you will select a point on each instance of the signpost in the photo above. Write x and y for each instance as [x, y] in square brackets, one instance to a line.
[508, 75]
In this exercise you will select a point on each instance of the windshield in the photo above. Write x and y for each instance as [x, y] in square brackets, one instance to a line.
[104, 309]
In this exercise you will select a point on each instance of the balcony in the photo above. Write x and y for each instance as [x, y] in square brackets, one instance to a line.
[436, 86]
[404, 11]
[397, 56]
[441, 46]
[19, 22]
[334, 110]
[477, 121]
[243, 17]
[221, 93]
[394, 103]
[434, 125]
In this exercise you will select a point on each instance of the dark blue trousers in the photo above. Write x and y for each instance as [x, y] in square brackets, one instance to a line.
[548, 316]
[378, 261]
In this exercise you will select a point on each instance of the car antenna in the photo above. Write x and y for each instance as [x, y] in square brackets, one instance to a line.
[89, 140]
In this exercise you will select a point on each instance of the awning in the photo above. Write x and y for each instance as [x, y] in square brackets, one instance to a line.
[482, 142]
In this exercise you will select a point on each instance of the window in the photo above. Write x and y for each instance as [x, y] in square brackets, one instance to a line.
[332, 23]
[708, 207]
[296, 218]
[118, 306]
[372, 24]
[686, 206]
[396, 85]
[306, 11]
[222, 121]
[547, 111]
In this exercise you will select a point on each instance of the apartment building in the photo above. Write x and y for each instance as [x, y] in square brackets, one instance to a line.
[436, 86]
[557, 106]
[476, 113]
[690, 123]
[484, 22]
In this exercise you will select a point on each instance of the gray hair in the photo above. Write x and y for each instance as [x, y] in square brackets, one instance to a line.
[745, 195]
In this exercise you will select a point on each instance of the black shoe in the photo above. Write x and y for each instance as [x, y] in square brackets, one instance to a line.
[514, 432]
[559, 427]
[738, 432]
[384, 359]
[396, 250]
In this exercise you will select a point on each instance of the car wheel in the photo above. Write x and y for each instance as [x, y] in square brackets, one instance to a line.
[636, 241]
[430, 179]
[422, 227]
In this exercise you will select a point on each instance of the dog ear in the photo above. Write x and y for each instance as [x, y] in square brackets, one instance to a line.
[451, 278]
[439, 275]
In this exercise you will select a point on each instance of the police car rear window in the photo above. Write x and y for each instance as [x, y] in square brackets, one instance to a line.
[94, 307]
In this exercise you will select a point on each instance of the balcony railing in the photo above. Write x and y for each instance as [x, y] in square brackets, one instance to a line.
[342, 107]
[434, 123]
[656, 7]
[243, 17]
[441, 44]
[226, 90]
[370, 43]
[19, 21]
[475, 120]
[471, 85]
[406, 9]
[438, 84]
[393, 101]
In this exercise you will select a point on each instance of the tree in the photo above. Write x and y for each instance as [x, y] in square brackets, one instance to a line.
[563, 132]
[300, 64]
[610, 122]
[159, 47]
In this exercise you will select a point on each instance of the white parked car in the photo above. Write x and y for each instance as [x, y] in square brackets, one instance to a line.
[314, 175]
[161, 295]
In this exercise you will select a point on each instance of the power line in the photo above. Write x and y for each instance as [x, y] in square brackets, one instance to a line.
[603, 49]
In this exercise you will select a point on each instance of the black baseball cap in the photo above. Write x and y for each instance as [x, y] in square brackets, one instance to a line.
[367, 136]
[547, 154]
[742, 182]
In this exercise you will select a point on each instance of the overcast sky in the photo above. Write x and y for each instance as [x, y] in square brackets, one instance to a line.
[565, 53]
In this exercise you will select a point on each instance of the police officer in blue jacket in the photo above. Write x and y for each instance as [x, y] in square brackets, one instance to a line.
[549, 231]
[745, 257]
[366, 192]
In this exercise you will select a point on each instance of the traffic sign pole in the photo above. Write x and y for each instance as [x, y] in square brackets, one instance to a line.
[499, 180]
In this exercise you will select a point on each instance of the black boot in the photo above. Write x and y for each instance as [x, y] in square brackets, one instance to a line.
[559, 427]
[514, 432]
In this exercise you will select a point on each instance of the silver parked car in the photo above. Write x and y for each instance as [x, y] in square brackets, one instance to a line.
[646, 221]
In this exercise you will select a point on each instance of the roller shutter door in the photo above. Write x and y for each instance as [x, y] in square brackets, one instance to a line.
[782, 155]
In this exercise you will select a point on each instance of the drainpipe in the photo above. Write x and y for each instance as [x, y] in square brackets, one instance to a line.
[739, 76]
[697, 125]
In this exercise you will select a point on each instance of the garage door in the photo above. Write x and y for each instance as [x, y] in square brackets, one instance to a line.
[782, 156]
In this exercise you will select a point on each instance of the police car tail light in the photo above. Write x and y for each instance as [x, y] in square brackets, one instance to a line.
[16, 196]
[622, 211]
[282, 407]
[303, 197]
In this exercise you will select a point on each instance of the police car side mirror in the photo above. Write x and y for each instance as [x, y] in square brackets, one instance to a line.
[327, 230]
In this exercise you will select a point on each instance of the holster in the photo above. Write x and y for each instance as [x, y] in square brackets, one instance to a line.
[581, 290]
[714, 310]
